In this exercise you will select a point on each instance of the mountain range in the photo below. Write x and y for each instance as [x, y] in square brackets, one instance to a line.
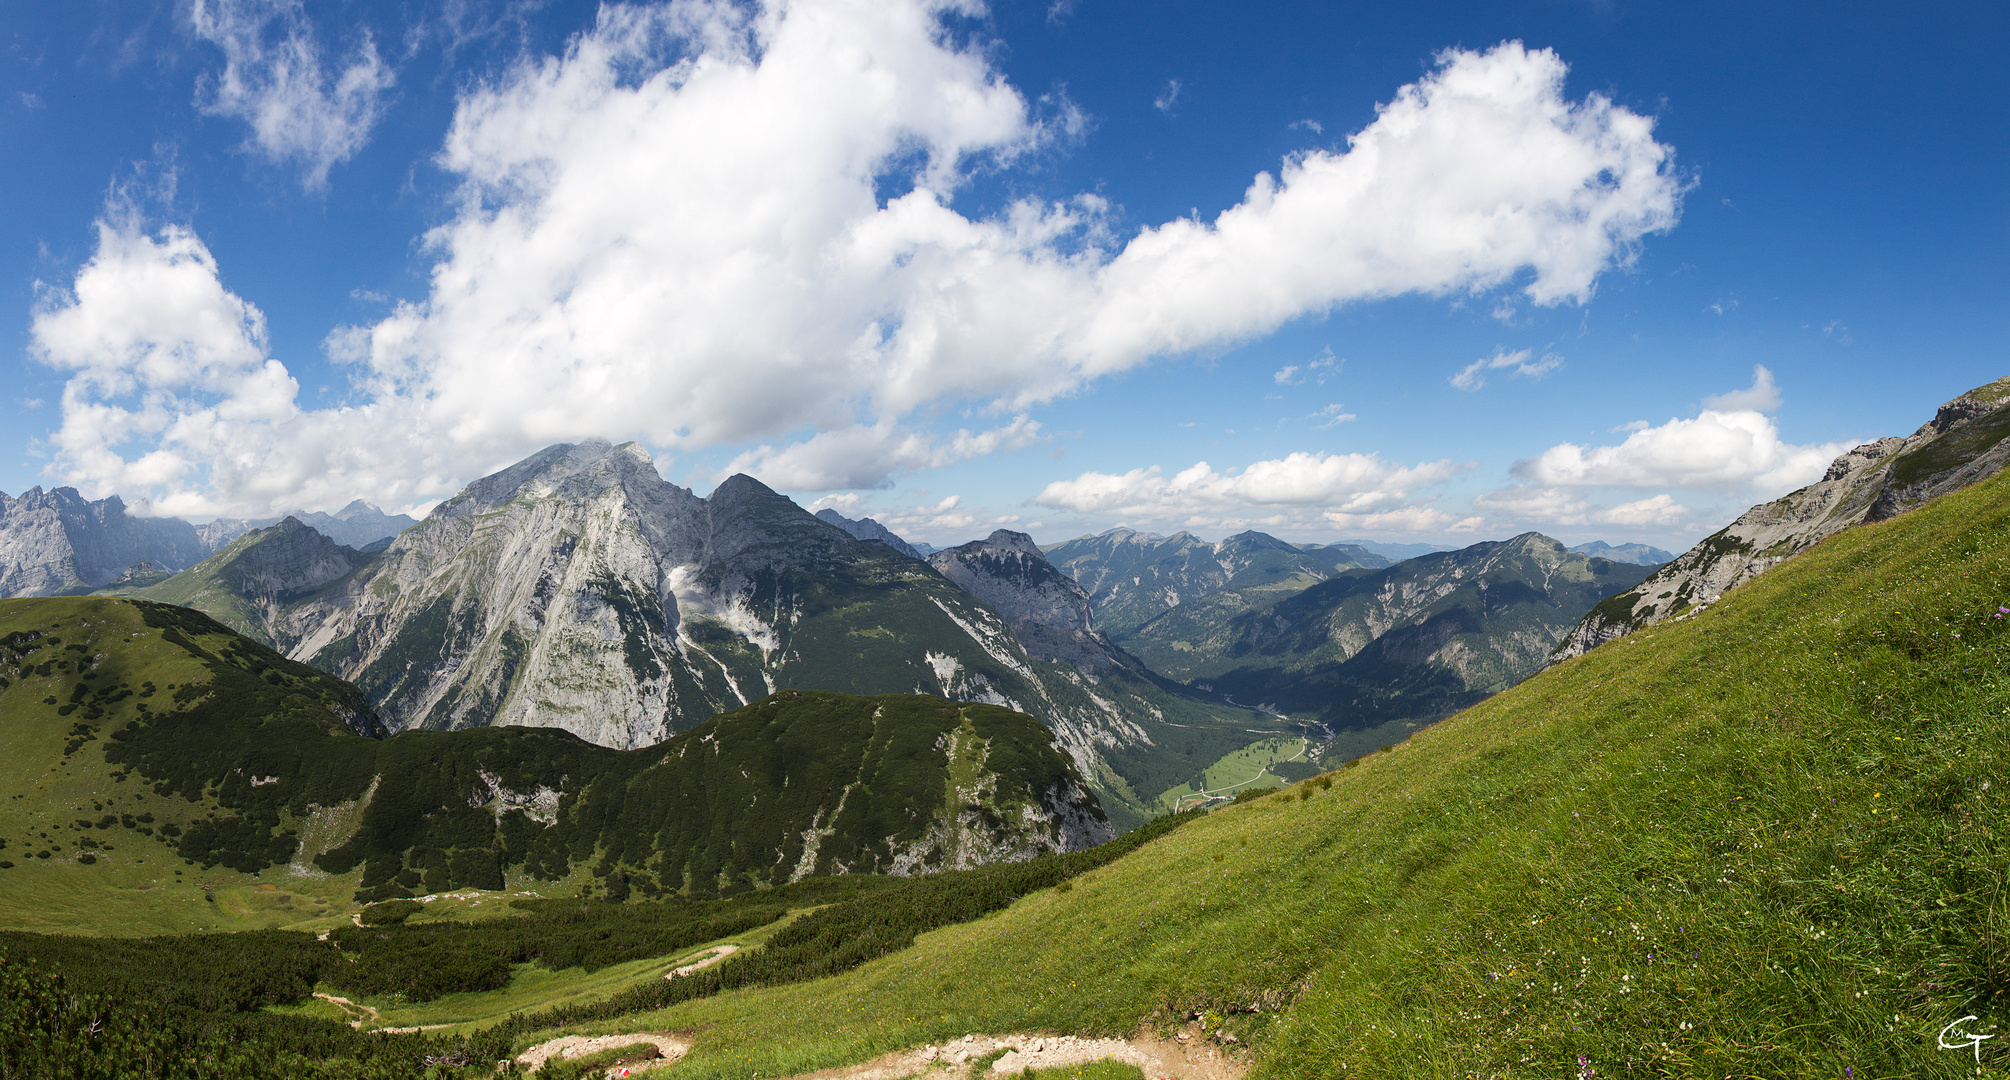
[579, 590]
[1132, 578]
[359, 525]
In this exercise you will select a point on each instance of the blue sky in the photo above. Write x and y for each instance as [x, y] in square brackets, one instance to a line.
[1599, 269]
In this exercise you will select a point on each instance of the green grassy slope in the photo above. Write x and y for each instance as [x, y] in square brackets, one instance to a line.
[1765, 841]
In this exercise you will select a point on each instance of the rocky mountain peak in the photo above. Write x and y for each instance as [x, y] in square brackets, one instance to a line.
[1004, 540]
[572, 470]
[1252, 540]
[1046, 610]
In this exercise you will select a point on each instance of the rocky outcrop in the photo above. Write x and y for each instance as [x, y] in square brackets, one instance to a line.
[870, 530]
[58, 542]
[1963, 443]
[1047, 611]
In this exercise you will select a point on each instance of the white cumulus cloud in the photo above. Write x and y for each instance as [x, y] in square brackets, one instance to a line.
[300, 111]
[677, 231]
[1711, 450]
[1761, 396]
[1297, 488]
[1536, 504]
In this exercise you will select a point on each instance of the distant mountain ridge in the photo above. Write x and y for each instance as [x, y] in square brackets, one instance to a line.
[357, 525]
[1395, 647]
[1132, 578]
[1642, 554]
[1964, 442]
[868, 529]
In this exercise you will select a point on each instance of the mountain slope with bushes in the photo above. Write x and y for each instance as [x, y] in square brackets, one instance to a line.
[143, 733]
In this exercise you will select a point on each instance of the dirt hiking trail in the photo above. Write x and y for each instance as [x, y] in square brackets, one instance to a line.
[711, 956]
[1186, 1057]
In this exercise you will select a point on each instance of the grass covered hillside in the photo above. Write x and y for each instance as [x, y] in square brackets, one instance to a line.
[163, 773]
[1764, 841]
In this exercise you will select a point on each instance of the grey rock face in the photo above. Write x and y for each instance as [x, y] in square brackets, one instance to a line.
[1047, 611]
[57, 542]
[1963, 443]
[868, 529]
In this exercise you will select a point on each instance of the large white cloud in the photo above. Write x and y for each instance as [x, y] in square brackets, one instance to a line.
[1730, 450]
[273, 79]
[1713, 450]
[1298, 490]
[676, 231]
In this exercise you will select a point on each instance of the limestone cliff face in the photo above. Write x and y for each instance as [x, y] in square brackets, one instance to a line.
[1963, 443]
[56, 542]
[1047, 611]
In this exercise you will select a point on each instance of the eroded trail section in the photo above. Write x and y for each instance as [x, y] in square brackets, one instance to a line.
[1179, 1059]
[668, 1049]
